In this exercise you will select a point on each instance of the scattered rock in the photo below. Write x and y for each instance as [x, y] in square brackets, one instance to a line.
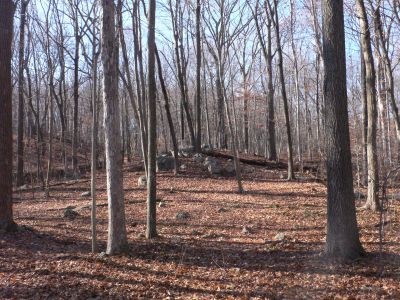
[195, 232]
[162, 204]
[279, 237]
[229, 170]
[86, 194]
[210, 160]
[183, 167]
[23, 187]
[250, 169]
[281, 176]
[171, 190]
[134, 224]
[206, 148]
[70, 213]
[142, 181]
[182, 215]
[102, 254]
[222, 210]
[165, 154]
[198, 158]
[165, 163]
[214, 169]
[141, 235]
[247, 230]
[212, 236]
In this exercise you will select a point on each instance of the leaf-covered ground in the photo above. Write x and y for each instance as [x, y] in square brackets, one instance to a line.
[264, 244]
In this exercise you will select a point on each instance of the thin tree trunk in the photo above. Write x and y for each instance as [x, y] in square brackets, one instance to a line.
[198, 76]
[370, 85]
[275, 19]
[151, 229]
[168, 112]
[21, 101]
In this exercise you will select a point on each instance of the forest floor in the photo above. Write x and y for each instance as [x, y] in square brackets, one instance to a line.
[266, 243]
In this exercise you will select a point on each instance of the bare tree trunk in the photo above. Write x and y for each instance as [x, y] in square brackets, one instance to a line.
[275, 18]
[365, 121]
[7, 9]
[297, 86]
[151, 229]
[168, 112]
[76, 94]
[117, 239]
[95, 55]
[198, 76]
[342, 239]
[370, 85]
[388, 70]
[21, 101]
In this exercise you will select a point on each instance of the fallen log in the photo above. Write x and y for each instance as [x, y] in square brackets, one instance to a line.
[259, 161]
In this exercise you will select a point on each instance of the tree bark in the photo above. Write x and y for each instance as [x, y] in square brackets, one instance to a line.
[283, 89]
[21, 101]
[342, 239]
[7, 9]
[151, 229]
[370, 86]
[198, 76]
[117, 239]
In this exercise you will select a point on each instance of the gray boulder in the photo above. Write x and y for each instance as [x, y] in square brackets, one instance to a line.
[85, 194]
[214, 169]
[165, 163]
[182, 215]
[70, 214]
[198, 158]
[209, 160]
[142, 181]
[229, 170]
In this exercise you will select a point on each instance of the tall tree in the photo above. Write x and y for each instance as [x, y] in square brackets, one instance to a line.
[370, 90]
[117, 240]
[342, 232]
[198, 76]
[7, 9]
[273, 11]
[21, 102]
[151, 230]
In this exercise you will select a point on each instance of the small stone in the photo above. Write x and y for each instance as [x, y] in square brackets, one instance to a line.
[279, 237]
[134, 224]
[182, 215]
[171, 190]
[141, 236]
[198, 158]
[183, 167]
[70, 214]
[102, 255]
[24, 187]
[86, 194]
[211, 236]
[142, 181]
[222, 210]
[162, 204]
[165, 163]
[195, 232]
[247, 230]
